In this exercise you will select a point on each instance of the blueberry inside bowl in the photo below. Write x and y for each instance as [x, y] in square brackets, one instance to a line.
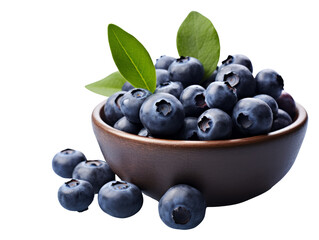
[225, 171]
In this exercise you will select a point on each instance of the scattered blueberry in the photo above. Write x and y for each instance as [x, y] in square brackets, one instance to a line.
[162, 76]
[287, 103]
[238, 59]
[65, 161]
[76, 195]
[164, 62]
[112, 108]
[120, 199]
[193, 100]
[182, 207]
[271, 103]
[189, 129]
[125, 125]
[282, 120]
[174, 88]
[269, 82]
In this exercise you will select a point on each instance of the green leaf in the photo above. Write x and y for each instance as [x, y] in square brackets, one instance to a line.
[108, 85]
[198, 38]
[131, 59]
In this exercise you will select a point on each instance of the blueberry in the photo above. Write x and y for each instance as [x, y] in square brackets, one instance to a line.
[162, 114]
[182, 207]
[252, 116]
[221, 95]
[189, 129]
[282, 120]
[270, 101]
[127, 86]
[174, 88]
[96, 172]
[269, 82]
[193, 100]
[131, 103]
[287, 103]
[120, 199]
[238, 59]
[125, 125]
[76, 195]
[65, 161]
[238, 77]
[187, 70]
[112, 109]
[164, 62]
[162, 76]
[144, 133]
[214, 124]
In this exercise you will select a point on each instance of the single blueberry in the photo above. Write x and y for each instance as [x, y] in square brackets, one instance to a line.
[65, 161]
[238, 77]
[76, 195]
[174, 88]
[120, 199]
[125, 125]
[187, 70]
[282, 120]
[271, 103]
[214, 124]
[189, 129]
[96, 172]
[182, 207]
[238, 59]
[193, 100]
[287, 103]
[252, 116]
[164, 62]
[269, 82]
[162, 76]
[127, 86]
[112, 108]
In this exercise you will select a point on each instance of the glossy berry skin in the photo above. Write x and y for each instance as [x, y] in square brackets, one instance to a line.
[125, 125]
[112, 108]
[214, 124]
[162, 114]
[131, 103]
[238, 77]
[269, 82]
[282, 120]
[221, 95]
[238, 59]
[144, 133]
[189, 129]
[96, 172]
[182, 207]
[287, 103]
[252, 116]
[271, 103]
[76, 195]
[193, 100]
[162, 76]
[164, 62]
[64, 162]
[187, 70]
[120, 199]
[127, 86]
[174, 88]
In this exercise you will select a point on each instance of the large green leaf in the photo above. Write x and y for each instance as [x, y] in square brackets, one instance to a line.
[197, 37]
[131, 58]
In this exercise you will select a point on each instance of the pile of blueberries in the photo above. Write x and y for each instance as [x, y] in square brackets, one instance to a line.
[231, 103]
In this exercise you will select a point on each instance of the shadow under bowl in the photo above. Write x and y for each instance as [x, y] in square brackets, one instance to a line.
[225, 171]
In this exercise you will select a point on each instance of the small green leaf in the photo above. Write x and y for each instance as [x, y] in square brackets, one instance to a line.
[108, 85]
[131, 59]
[198, 38]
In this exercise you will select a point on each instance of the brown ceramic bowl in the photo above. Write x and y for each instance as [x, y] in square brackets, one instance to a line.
[225, 171]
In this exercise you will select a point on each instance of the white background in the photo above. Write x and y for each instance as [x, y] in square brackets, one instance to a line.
[49, 50]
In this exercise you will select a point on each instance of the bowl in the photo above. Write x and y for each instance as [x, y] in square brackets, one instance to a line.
[225, 171]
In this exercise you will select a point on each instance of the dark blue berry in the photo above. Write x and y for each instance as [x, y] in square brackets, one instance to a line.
[214, 124]
[187, 70]
[127, 86]
[189, 129]
[112, 108]
[164, 62]
[76, 195]
[252, 116]
[182, 207]
[193, 100]
[282, 120]
[287, 103]
[238, 59]
[120, 199]
[125, 125]
[174, 88]
[64, 162]
[271, 103]
[96, 172]
[162, 76]
[269, 82]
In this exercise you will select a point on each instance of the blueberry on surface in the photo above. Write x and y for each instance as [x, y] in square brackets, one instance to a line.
[131, 103]
[120, 199]
[162, 114]
[187, 70]
[238, 59]
[238, 77]
[125, 125]
[214, 124]
[174, 88]
[76, 195]
[193, 100]
[220, 95]
[162, 76]
[287, 103]
[164, 62]
[112, 108]
[282, 120]
[252, 116]
[269, 82]
[127, 86]
[189, 129]
[65, 161]
[96, 172]
[271, 103]
[182, 207]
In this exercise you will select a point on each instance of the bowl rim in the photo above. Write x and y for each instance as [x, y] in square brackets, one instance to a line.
[299, 121]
